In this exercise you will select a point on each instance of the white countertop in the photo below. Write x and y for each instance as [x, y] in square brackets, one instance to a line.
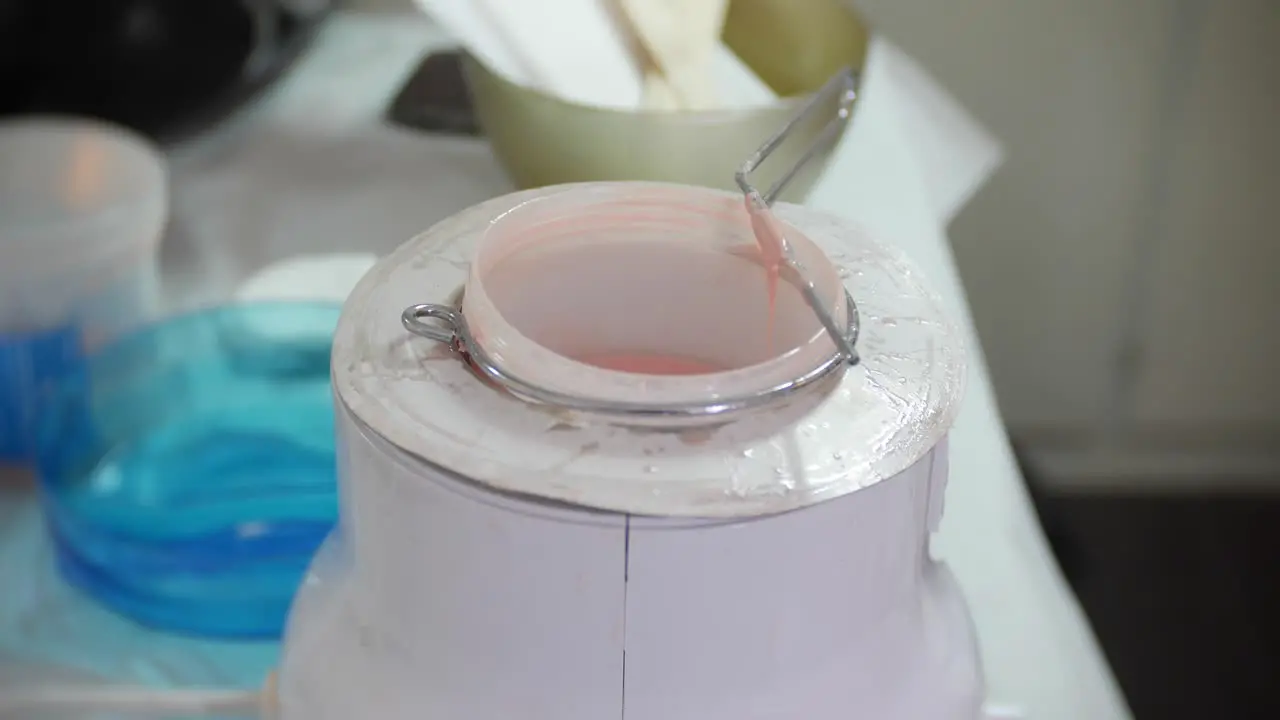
[312, 168]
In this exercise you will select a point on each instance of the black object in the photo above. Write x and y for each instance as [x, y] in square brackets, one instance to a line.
[1182, 592]
[162, 67]
[435, 98]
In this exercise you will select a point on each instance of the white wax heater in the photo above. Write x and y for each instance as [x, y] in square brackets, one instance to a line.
[526, 535]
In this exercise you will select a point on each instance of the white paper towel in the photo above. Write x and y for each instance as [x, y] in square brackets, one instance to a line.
[572, 48]
[956, 155]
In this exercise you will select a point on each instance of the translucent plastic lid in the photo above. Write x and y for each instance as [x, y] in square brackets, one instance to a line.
[636, 292]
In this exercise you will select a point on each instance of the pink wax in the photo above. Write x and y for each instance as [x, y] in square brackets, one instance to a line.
[770, 239]
[649, 364]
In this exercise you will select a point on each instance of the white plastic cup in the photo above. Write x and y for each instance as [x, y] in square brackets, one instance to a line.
[83, 205]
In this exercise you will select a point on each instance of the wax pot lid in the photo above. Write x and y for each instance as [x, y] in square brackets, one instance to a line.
[876, 420]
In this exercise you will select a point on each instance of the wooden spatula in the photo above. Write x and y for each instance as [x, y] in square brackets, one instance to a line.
[681, 37]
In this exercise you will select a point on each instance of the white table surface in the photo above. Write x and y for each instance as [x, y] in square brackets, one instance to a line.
[311, 168]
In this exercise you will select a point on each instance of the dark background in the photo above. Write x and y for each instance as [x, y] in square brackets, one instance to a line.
[1183, 593]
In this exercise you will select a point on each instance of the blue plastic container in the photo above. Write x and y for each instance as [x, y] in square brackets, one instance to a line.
[188, 470]
[29, 361]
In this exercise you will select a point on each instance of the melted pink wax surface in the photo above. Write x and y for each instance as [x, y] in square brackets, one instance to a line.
[648, 364]
[771, 241]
